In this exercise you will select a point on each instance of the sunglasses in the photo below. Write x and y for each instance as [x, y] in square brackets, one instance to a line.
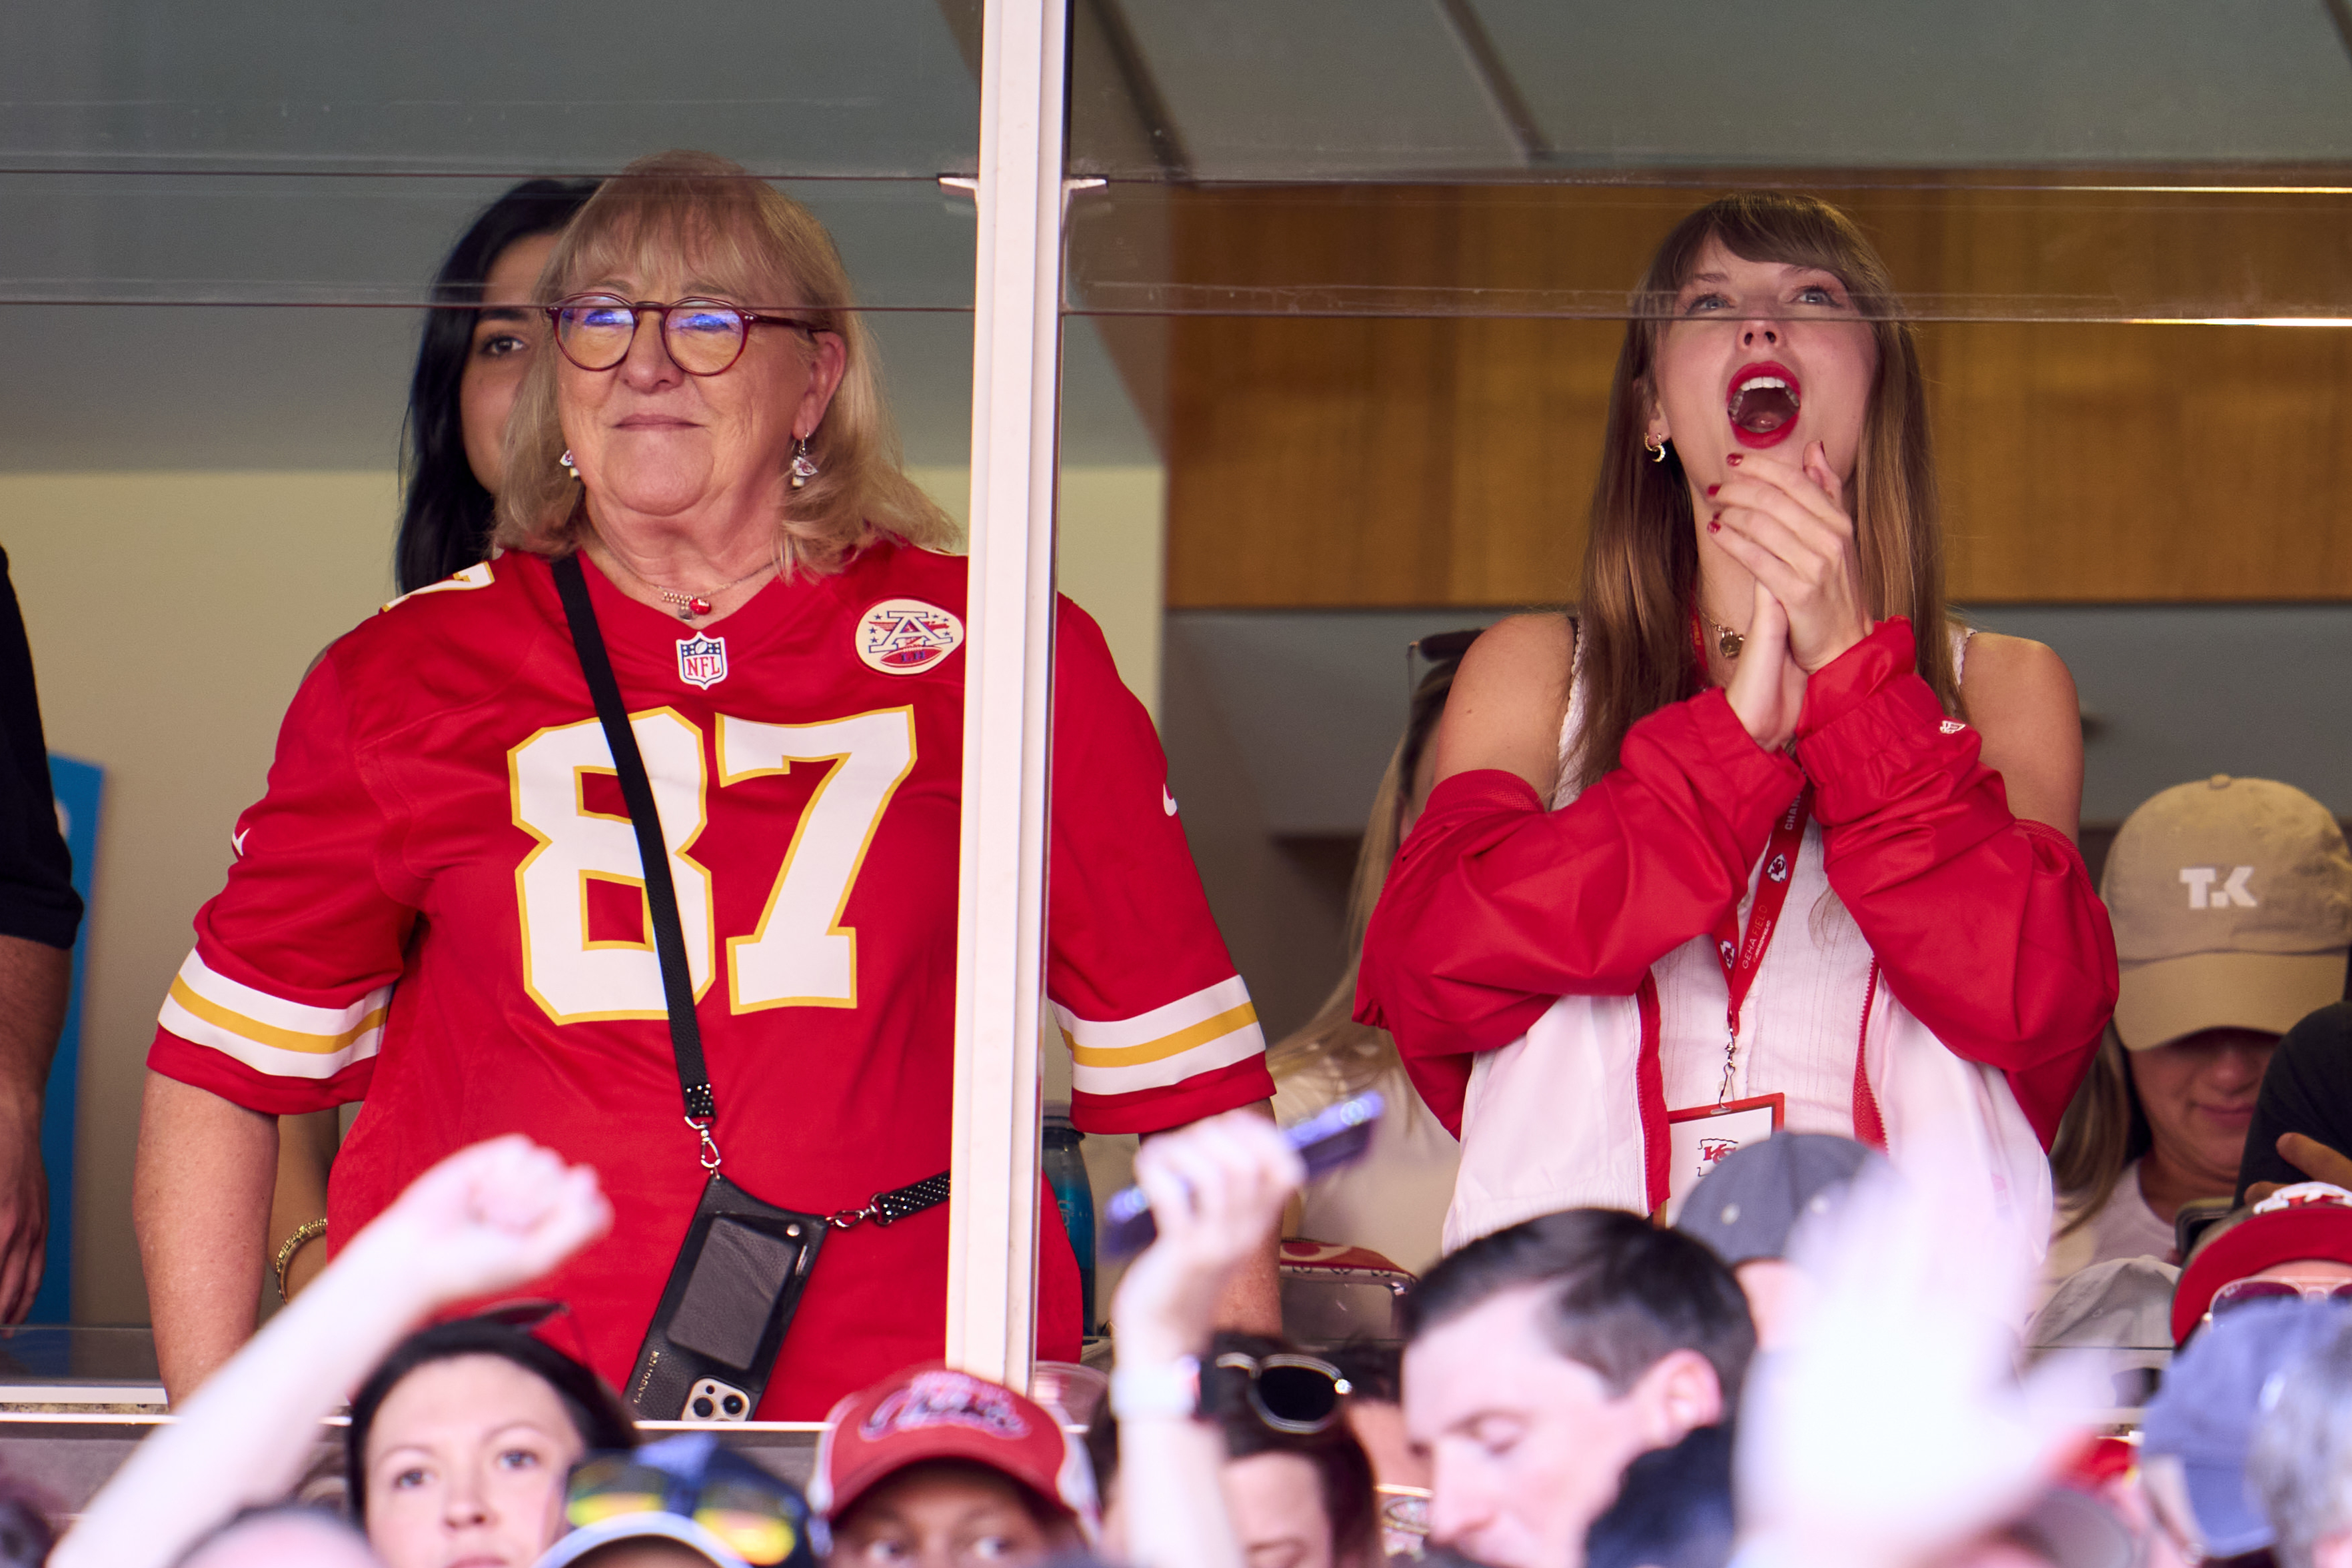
[759, 1525]
[1294, 1394]
[2240, 1292]
[704, 337]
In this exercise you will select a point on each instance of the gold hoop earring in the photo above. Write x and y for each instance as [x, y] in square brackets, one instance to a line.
[1657, 451]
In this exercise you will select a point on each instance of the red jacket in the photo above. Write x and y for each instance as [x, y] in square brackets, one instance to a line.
[1985, 926]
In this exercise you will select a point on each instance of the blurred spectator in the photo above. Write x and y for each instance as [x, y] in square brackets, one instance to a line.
[2301, 1462]
[2296, 1243]
[2303, 1115]
[1393, 1200]
[2200, 1425]
[460, 1440]
[1893, 1431]
[484, 1219]
[1751, 1203]
[934, 1467]
[683, 1500]
[39, 915]
[2116, 1314]
[1301, 1493]
[1672, 1511]
[281, 1537]
[1540, 1359]
[2232, 900]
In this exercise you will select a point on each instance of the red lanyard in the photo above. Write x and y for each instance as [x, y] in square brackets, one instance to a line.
[1742, 956]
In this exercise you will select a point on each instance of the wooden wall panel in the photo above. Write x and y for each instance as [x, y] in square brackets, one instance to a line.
[1368, 460]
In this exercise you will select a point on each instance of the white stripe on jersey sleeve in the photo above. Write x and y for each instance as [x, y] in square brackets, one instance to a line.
[1215, 1026]
[268, 1033]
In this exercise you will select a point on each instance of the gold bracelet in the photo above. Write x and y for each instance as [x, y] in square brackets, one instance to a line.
[309, 1230]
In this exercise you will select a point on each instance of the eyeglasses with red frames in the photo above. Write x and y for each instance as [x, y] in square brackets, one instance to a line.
[704, 337]
[2243, 1292]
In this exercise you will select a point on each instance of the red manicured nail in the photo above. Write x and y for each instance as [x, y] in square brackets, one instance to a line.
[1733, 460]
[1711, 489]
[1713, 527]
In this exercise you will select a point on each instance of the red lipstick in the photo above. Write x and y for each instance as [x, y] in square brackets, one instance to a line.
[1762, 402]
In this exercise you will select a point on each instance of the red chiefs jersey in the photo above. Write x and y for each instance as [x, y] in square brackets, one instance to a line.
[436, 906]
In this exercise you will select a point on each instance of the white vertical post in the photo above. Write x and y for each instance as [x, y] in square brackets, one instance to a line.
[1000, 894]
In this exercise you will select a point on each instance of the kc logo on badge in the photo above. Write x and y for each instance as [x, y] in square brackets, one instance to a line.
[702, 661]
[906, 636]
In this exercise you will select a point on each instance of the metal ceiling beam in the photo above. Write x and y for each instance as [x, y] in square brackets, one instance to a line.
[1502, 89]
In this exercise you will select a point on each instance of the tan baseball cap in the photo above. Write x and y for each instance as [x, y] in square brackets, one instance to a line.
[2232, 900]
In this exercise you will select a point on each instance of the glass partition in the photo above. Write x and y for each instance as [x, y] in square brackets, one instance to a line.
[217, 229]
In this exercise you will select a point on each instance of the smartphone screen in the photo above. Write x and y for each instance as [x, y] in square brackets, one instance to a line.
[740, 1272]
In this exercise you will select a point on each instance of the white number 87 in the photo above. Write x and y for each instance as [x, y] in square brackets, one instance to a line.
[799, 955]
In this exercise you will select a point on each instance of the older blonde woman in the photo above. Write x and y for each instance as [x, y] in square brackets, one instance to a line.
[439, 904]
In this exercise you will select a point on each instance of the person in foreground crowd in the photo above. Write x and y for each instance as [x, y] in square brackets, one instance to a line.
[1892, 1429]
[1212, 1188]
[481, 1220]
[460, 1440]
[1295, 1482]
[687, 1501]
[1541, 1359]
[2301, 1462]
[287, 1536]
[439, 906]
[933, 1467]
[40, 914]
[1760, 830]
[2232, 900]
[2297, 1242]
[2303, 1112]
[2201, 1426]
[1749, 1206]
[1393, 1199]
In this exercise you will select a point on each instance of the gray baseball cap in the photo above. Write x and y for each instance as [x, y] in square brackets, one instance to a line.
[1746, 1206]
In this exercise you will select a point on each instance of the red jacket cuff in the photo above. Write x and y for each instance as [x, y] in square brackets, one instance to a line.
[1851, 679]
[1752, 786]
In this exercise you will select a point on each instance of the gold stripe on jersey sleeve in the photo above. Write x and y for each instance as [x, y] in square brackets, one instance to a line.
[261, 1033]
[1167, 1045]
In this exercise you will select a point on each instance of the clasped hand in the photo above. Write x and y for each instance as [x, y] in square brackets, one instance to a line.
[1786, 523]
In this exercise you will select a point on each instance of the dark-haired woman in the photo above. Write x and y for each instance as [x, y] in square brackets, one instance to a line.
[1759, 839]
[460, 1442]
[468, 367]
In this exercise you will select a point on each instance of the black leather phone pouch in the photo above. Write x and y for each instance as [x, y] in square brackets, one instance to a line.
[731, 1295]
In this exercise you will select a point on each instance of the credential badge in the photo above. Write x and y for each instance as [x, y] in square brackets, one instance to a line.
[702, 661]
[906, 636]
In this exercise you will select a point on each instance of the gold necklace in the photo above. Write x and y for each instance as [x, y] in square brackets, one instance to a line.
[1727, 641]
[689, 606]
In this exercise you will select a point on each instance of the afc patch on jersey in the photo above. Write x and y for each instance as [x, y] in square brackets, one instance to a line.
[905, 636]
[702, 661]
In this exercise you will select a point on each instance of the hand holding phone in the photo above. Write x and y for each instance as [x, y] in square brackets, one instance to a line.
[1338, 1135]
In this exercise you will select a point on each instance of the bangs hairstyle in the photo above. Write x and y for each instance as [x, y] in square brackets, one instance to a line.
[1641, 560]
[738, 237]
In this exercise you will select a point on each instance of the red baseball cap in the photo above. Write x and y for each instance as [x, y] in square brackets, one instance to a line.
[933, 1412]
[2309, 1220]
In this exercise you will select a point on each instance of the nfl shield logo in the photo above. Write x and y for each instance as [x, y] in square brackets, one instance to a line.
[702, 661]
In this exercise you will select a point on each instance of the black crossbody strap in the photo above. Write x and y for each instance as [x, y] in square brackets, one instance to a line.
[661, 894]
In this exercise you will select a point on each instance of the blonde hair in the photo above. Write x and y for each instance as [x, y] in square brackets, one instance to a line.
[1641, 560]
[2103, 1132]
[1356, 1054]
[764, 248]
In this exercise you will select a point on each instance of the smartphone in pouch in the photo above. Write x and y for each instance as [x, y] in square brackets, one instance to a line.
[731, 1295]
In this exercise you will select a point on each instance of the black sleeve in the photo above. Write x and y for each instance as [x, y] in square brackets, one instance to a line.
[38, 901]
[2306, 1088]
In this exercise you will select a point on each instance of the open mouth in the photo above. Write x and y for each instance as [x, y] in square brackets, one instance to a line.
[1763, 403]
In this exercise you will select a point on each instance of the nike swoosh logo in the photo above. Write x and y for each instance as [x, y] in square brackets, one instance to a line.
[238, 842]
[1167, 802]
